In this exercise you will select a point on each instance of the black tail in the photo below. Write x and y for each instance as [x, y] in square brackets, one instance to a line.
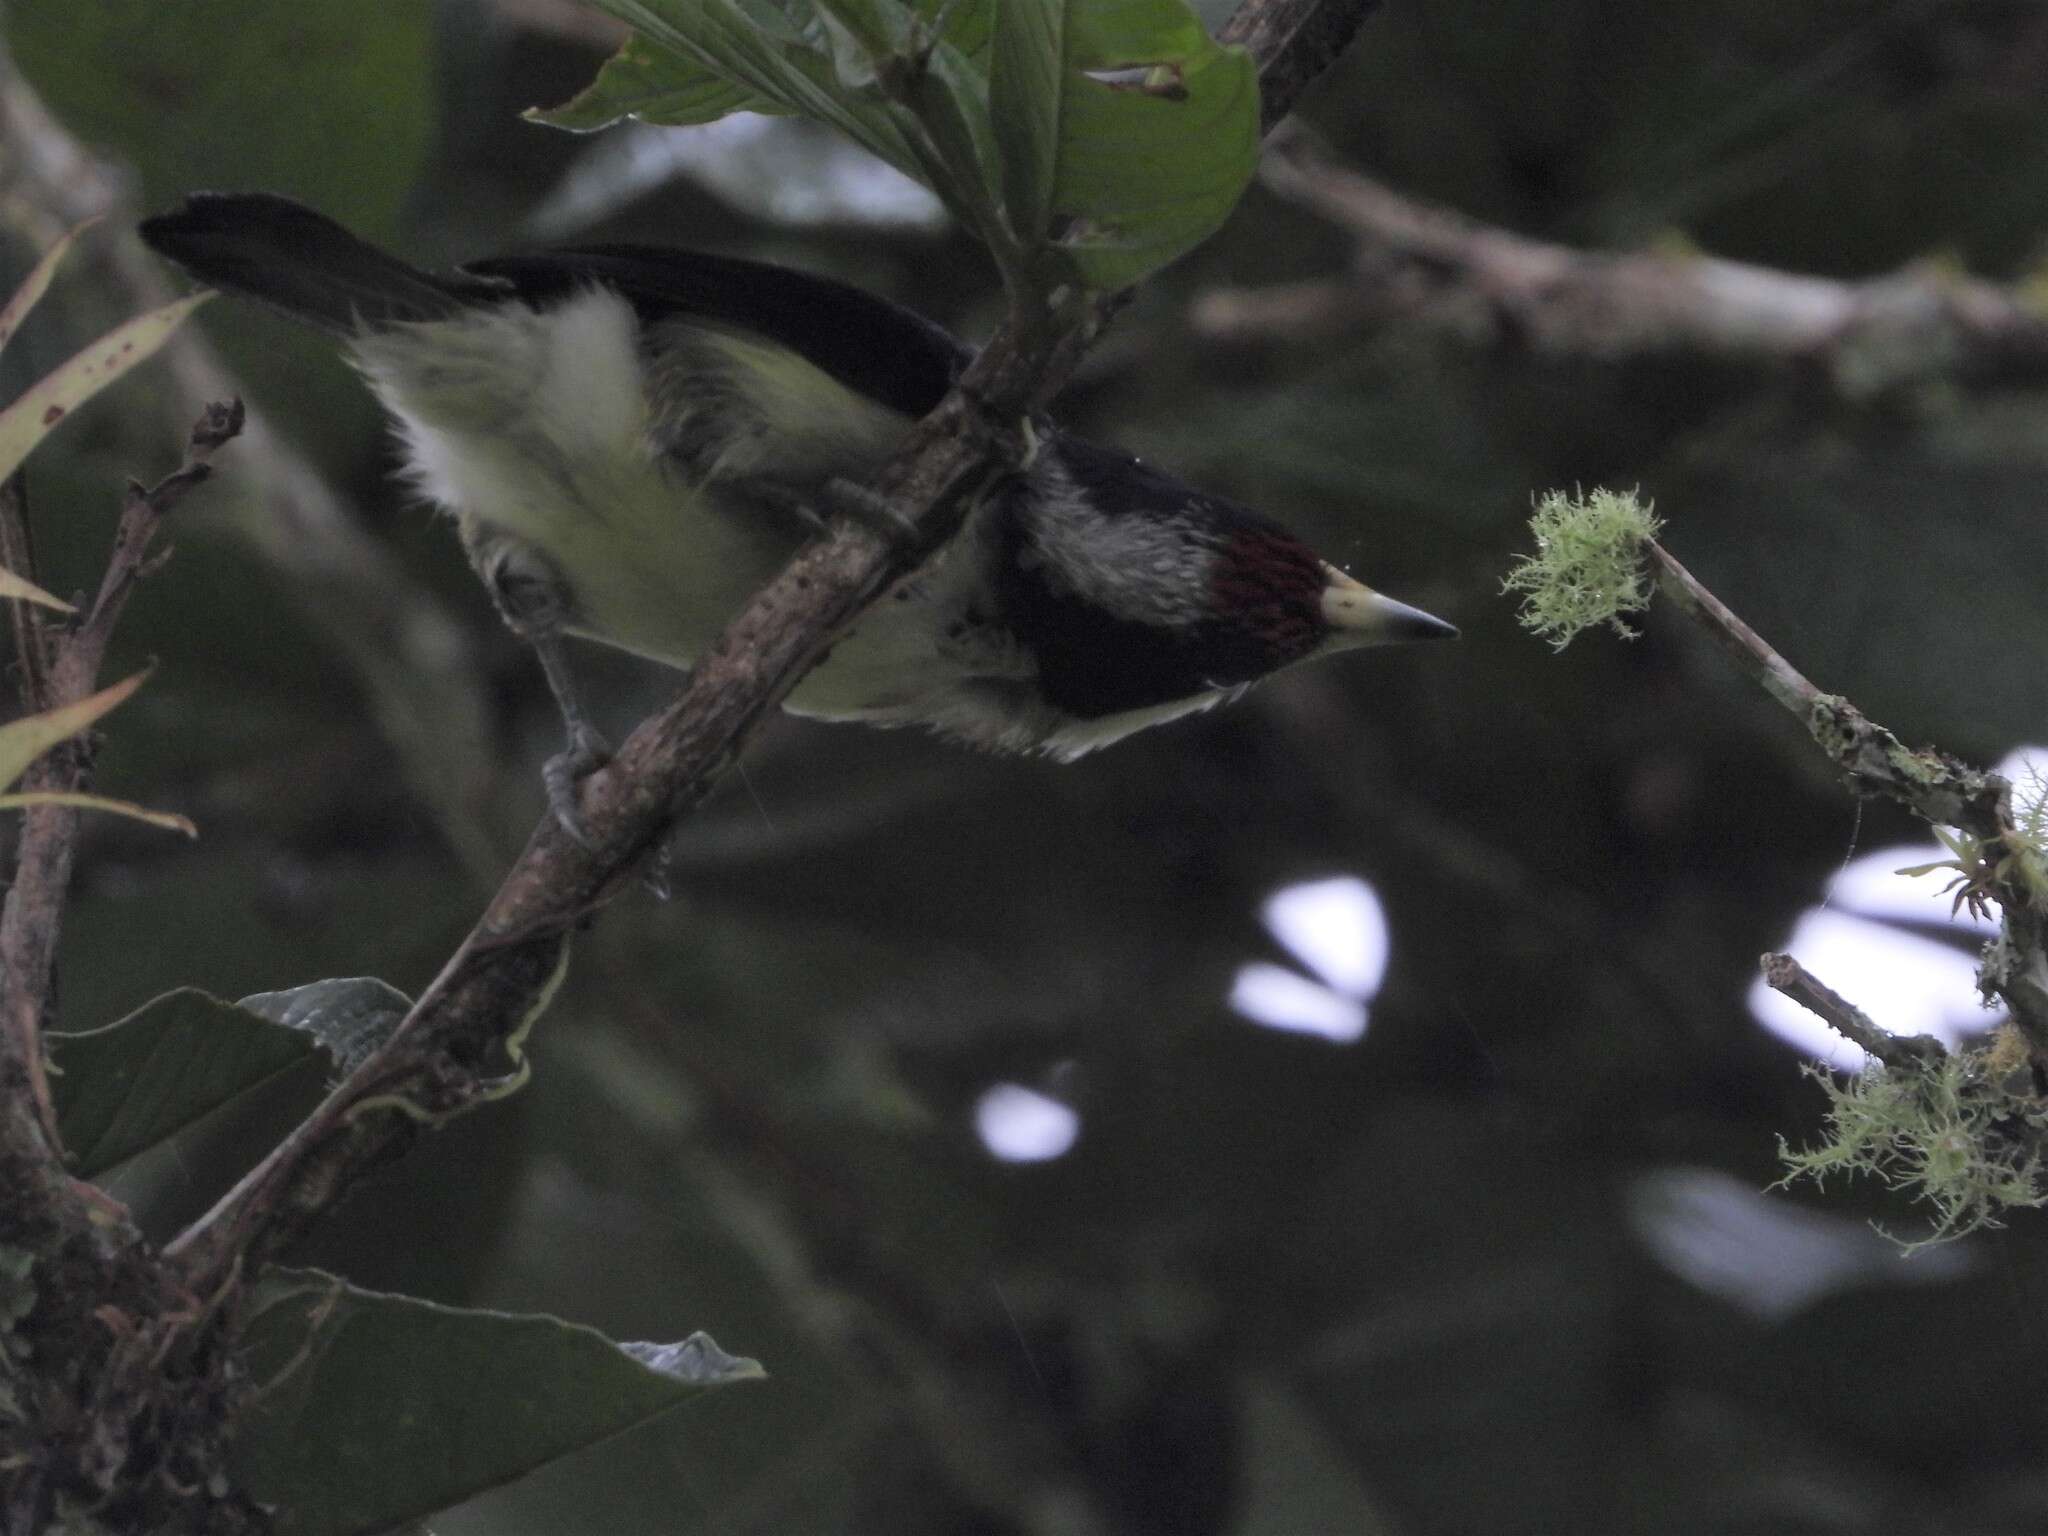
[302, 262]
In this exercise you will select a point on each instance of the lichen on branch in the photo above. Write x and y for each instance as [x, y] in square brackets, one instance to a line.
[1963, 1133]
[1966, 1131]
[1588, 567]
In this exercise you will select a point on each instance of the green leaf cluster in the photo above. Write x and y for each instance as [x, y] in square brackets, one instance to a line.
[370, 1409]
[1086, 141]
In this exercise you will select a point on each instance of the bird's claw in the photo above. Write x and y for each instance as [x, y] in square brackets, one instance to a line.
[654, 874]
[586, 753]
[846, 498]
[869, 508]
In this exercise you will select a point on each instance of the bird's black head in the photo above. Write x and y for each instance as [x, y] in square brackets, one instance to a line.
[1133, 589]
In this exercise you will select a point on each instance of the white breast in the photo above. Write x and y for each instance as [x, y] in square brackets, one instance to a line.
[536, 423]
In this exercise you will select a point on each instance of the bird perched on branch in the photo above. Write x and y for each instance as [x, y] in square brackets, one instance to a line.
[627, 437]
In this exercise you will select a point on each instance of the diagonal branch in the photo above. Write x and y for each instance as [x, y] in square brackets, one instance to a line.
[504, 972]
[1785, 974]
[1996, 862]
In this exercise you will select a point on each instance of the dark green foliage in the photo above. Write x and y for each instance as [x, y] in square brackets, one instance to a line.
[1278, 1285]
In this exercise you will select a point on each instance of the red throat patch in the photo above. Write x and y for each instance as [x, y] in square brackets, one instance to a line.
[1269, 585]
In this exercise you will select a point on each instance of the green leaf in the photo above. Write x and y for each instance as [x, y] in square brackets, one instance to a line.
[1150, 166]
[377, 1409]
[125, 1088]
[68, 386]
[947, 95]
[865, 36]
[1027, 83]
[23, 741]
[37, 283]
[847, 63]
[640, 81]
[15, 586]
[1128, 34]
[1121, 122]
[765, 54]
[170, 821]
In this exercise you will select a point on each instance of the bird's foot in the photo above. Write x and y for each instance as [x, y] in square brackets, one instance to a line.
[815, 506]
[869, 508]
[586, 753]
[654, 874]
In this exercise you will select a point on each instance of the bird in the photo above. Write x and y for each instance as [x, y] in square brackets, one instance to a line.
[632, 439]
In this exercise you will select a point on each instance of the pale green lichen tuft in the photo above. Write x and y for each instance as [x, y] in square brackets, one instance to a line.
[1588, 567]
[1949, 1133]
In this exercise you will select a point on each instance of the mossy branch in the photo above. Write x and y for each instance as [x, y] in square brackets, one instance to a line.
[1908, 1121]
[1955, 1131]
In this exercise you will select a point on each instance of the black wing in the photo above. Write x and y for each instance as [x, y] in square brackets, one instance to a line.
[879, 349]
[302, 262]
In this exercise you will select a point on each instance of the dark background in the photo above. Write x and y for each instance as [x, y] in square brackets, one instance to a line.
[1505, 1264]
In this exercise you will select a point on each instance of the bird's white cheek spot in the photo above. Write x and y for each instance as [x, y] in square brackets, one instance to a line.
[1335, 928]
[1022, 1125]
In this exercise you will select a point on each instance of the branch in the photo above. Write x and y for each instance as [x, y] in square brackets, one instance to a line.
[106, 1401]
[1997, 864]
[25, 620]
[1749, 650]
[1294, 42]
[436, 1063]
[1787, 975]
[1490, 285]
[1939, 789]
[32, 916]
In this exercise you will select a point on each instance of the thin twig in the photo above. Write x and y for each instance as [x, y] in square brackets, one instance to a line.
[435, 1062]
[1941, 790]
[102, 1338]
[21, 1060]
[1751, 652]
[418, 668]
[32, 917]
[1787, 975]
[18, 554]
